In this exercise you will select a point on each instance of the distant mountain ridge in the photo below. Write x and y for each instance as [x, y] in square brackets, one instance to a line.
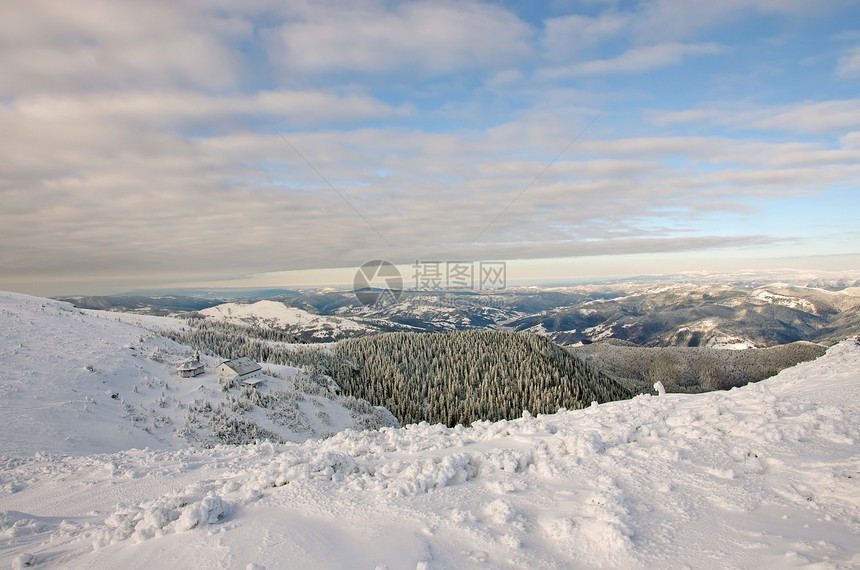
[727, 315]
[710, 316]
[159, 305]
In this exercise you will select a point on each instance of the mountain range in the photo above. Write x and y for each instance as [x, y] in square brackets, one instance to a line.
[732, 314]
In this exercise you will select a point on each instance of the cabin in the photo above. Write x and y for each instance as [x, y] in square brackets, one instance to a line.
[254, 383]
[242, 368]
[191, 368]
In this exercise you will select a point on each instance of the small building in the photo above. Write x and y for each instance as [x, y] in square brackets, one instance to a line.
[191, 368]
[254, 382]
[242, 368]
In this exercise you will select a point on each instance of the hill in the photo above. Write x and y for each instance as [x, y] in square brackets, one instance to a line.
[692, 369]
[274, 314]
[80, 381]
[459, 377]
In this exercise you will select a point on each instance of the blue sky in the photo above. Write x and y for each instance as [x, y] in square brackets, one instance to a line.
[228, 143]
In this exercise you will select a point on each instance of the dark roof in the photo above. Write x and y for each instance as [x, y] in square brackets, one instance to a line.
[242, 366]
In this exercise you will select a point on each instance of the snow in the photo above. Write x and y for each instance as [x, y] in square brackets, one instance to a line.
[717, 338]
[761, 476]
[790, 302]
[601, 331]
[275, 314]
[80, 382]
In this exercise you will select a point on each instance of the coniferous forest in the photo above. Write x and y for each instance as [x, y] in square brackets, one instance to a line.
[451, 378]
[460, 377]
[463, 376]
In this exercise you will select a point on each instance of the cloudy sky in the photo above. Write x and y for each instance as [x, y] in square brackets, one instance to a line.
[235, 142]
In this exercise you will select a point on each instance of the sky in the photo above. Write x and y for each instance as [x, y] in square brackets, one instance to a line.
[239, 143]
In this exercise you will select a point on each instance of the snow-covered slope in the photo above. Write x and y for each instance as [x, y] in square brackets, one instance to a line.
[298, 321]
[78, 382]
[765, 476]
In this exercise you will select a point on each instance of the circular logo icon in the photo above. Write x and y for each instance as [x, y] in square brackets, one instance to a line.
[377, 282]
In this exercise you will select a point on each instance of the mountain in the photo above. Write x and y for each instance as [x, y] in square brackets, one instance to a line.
[79, 381]
[160, 305]
[734, 312]
[273, 314]
[764, 476]
[721, 316]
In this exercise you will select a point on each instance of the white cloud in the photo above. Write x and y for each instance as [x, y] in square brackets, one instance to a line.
[428, 37]
[851, 140]
[849, 64]
[100, 43]
[97, 195]
[133, 146]
[636, 60]
[825, 116]
[176, 110]
[567, 35]
[831, 116]
[678, 19]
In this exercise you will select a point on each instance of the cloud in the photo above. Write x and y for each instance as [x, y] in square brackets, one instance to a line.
[101, 43]
[824, 116]
[636, 60]
[178, 110]
[222, 45]
[677, 19]
[851, 140]
[566, 35]
[134, 146]
[849, 64]
[106, 197]
[102, 185]
[427, 37]
[831, 116]
[656, 22]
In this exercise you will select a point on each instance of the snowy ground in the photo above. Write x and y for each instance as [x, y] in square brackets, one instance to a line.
[80, 382]
[766, 476]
